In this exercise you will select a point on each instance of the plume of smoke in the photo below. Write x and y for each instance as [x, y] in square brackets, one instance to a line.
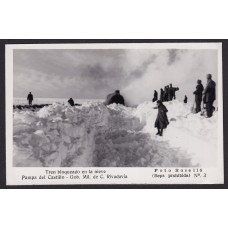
[182, 68]
[96, 73]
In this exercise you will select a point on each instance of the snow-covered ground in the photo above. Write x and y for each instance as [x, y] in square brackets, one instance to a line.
[112, 136]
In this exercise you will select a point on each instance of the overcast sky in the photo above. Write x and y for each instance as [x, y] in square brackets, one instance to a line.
[95, 73]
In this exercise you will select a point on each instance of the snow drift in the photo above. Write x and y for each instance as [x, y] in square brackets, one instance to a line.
[112, 136]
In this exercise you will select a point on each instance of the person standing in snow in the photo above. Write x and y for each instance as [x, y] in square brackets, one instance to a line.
[117, 98]
[166, 89]
[71, 101]
[170, 93]
[155, 96]
[185, 99]
[161, 121]
[174, 92]
[198, 95]
[30, 98]
[209, 95]
[162, 95]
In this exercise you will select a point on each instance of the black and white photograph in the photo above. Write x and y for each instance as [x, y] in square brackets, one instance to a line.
[121, 107]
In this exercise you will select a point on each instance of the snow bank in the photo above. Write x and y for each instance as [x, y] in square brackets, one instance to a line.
[193, 134]
[97, 135]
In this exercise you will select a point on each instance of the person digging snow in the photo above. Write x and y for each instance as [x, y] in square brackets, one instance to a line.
[161, 121]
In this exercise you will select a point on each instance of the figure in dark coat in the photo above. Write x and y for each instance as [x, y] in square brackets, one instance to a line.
[209, 95]
[71, 102]
[170, 92]
[166, 90]
[155, 96]
[174, 92]
[162, 95]
[161, 121]
[30, 98]
[198, 95]
[185, 99]
[117, 98]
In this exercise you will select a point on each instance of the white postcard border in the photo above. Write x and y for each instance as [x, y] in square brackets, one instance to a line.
[134, 175]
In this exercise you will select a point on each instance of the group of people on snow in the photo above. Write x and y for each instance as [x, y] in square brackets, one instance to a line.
[206, 95]
[168, 94]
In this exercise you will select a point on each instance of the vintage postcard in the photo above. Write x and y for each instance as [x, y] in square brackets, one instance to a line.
[131, 113]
